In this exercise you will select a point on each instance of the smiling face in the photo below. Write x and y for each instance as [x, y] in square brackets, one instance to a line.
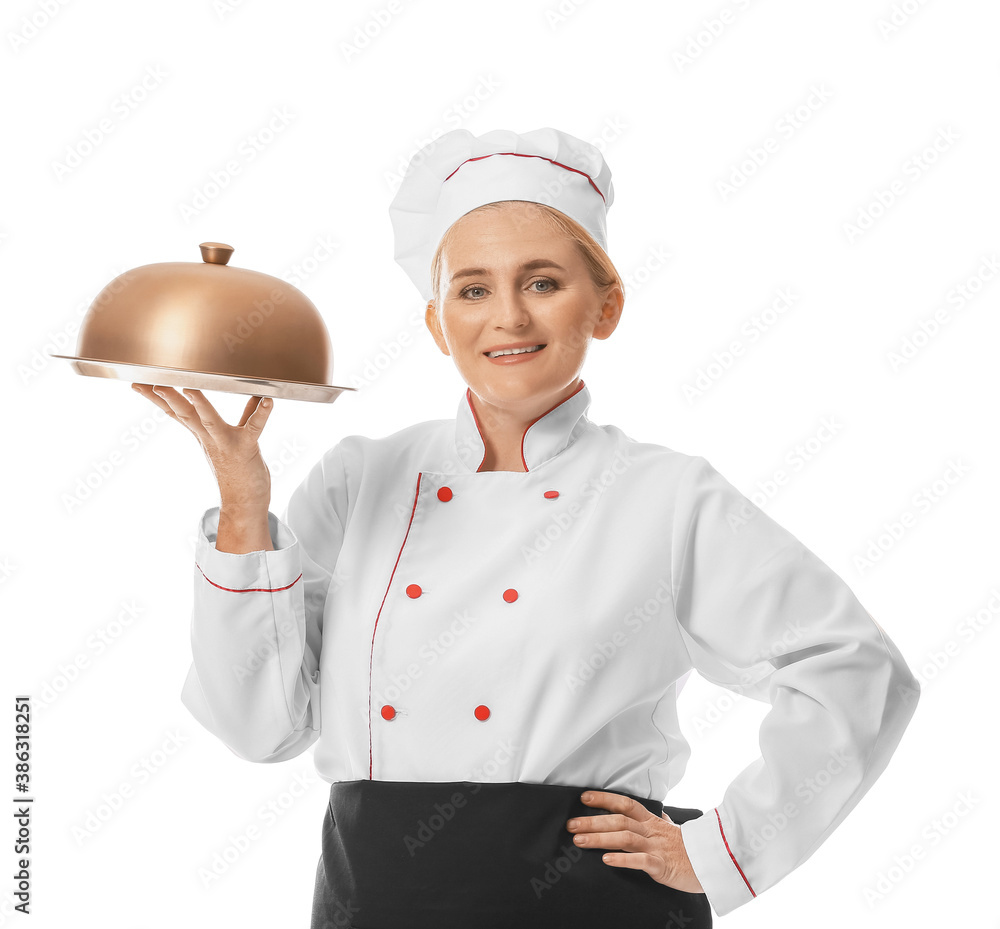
[508, 278]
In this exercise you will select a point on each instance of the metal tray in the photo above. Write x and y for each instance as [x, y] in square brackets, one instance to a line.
[204, 380]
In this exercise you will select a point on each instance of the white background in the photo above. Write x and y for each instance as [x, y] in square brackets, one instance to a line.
[104, 493]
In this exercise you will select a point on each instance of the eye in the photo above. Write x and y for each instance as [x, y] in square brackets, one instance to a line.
[466, 292]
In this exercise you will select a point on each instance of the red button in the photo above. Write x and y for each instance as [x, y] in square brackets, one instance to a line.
[388, 712]
[551, 494]
[482, 712]
[510, 595]
[414, 591]
[444, 494]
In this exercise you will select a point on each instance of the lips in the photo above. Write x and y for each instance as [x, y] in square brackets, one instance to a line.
[520, 350]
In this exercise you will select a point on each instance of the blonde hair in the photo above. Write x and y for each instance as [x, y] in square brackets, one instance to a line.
[602, 272]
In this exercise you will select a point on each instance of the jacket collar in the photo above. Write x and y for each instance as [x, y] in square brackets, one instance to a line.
[544, 438]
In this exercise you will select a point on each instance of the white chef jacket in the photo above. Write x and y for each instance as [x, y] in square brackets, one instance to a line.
[421, 620]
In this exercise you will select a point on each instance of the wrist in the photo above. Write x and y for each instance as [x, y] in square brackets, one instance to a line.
[243, 510]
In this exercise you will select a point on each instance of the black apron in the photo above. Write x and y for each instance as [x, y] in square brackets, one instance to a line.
[470, 855]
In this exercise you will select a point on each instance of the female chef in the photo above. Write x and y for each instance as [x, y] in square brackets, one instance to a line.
[483, 623]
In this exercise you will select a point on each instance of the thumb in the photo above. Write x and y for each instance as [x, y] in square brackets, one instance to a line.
[257, 419]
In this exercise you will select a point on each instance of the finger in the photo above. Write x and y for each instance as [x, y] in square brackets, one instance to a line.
[147, 391]
[248, 409]
[168, 395]
[621, 840]
[609, 822]
[631, 811]
[208, 414]
[639, 861]
[183, 411]
[608, 800]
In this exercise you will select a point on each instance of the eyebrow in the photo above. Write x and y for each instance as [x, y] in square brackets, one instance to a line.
[527, 266]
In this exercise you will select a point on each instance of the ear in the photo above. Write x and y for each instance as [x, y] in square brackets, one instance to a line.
[611, 313]
[434, 325]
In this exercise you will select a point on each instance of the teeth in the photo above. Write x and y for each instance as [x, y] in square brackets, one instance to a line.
[513, 351]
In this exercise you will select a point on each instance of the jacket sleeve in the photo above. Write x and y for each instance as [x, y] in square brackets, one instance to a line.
[763, 616]
[257, 623]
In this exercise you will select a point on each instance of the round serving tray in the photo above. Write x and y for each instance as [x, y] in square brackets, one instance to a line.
[203, 380]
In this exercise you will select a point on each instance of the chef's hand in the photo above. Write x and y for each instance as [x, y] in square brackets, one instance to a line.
[651, 843]
[232, 451]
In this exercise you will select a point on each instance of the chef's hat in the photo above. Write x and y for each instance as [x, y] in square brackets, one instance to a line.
[458, 171]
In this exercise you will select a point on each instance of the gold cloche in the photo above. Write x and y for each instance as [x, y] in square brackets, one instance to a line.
[208, 326]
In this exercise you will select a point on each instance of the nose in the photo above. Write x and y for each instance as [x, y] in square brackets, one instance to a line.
[509, 307]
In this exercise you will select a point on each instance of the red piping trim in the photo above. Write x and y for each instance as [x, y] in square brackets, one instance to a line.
[386, 594]
[468, 399]
[546, 413]
[522, 155]
[728, 849]
[244, 590]
[475, 419]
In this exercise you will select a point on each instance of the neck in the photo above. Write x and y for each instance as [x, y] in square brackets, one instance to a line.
[503, 429]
